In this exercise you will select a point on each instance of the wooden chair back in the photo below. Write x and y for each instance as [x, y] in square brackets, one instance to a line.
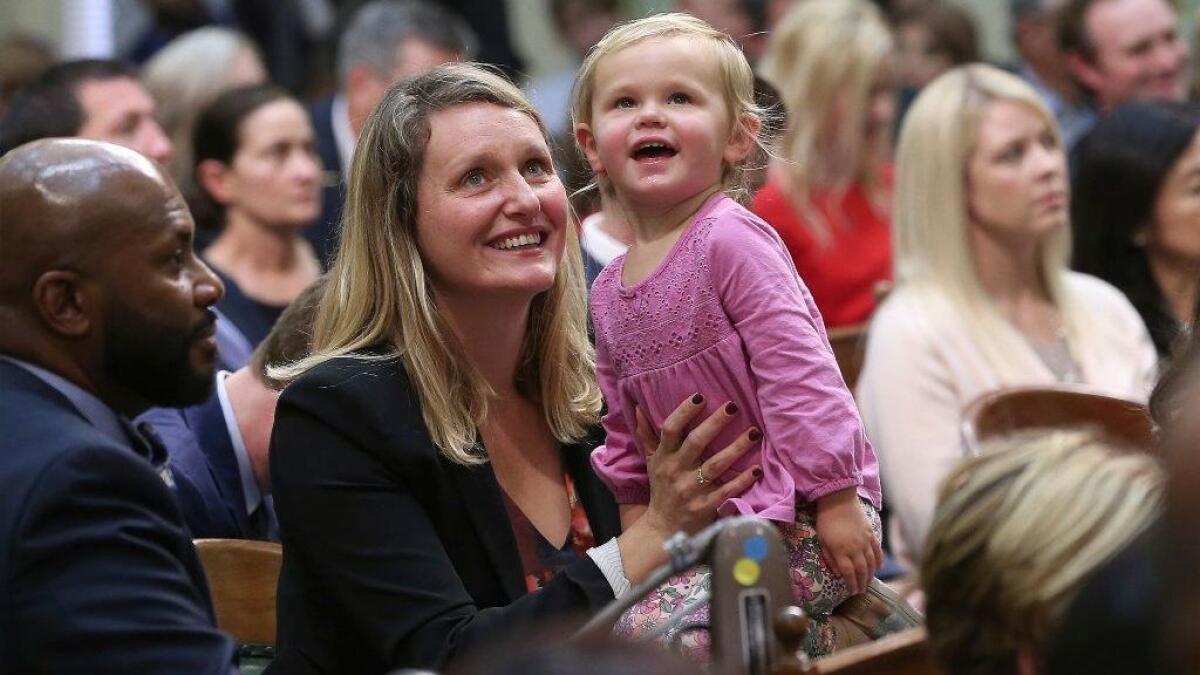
[1020, 408]
[849, 346]
[242, 576]
[904, 653]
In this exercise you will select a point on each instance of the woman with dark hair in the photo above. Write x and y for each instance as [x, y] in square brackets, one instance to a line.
[254, 160]
[1136, 212]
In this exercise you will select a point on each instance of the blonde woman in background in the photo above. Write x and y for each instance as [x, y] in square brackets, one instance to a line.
[828, 195]
[184, 78]
[983, 299]
[1016, 533]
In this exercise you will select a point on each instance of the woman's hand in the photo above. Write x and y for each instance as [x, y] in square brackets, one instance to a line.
[847, 542]
[678, 498]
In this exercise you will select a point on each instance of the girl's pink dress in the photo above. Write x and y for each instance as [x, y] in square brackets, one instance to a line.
[726, 315]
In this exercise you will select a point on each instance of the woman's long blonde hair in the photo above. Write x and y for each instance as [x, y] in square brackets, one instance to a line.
[822, 53]
[379, 295]
[930, 222]
[1016, 532]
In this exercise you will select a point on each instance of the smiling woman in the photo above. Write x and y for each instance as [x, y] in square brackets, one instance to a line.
[430, 459]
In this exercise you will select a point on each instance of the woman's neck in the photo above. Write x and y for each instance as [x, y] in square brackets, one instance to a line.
[492, 334]
[1180, 284]
[1011, 276]
[248, 245]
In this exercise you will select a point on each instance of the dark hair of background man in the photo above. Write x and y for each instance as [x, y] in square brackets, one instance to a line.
[49, 106]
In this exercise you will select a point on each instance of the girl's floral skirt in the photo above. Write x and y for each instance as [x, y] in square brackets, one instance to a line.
[817, 590]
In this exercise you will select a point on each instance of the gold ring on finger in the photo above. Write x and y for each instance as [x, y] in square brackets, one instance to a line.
[700, 477]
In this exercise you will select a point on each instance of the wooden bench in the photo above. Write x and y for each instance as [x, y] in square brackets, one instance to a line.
[242, 576]
[1022, 408]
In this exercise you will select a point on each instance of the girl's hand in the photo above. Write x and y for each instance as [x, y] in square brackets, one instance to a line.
[847, 542]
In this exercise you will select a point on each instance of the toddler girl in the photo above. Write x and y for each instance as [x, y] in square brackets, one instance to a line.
[707, 300]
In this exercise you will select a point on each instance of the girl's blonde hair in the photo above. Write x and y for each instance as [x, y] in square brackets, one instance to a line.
[930, 222]
[737, 82]
[824, 58]
[379, 294]
[1016, 532]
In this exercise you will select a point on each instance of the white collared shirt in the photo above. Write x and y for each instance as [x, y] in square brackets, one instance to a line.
[250, 489]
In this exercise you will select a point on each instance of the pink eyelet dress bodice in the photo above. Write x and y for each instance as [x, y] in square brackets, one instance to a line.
[725, 315]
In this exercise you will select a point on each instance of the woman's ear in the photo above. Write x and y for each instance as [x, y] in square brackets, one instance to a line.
[586, 141]
[214, 178]
[743, 138]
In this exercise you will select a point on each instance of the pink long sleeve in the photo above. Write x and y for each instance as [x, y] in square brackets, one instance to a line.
[813, 435]
[619, 463]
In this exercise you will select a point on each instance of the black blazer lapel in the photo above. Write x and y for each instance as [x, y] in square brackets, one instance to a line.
[485, 505]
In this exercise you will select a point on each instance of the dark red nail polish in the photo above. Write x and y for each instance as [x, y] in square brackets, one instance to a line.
[755, 434]
[731, 408]
[757, 472]
[697, 399]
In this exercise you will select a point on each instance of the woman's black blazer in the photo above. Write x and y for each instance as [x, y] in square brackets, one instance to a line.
[393, 556]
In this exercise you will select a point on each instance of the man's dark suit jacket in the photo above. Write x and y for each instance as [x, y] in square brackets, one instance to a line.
[323, 234]
[393, 556]
[97, 571]
[201, 451]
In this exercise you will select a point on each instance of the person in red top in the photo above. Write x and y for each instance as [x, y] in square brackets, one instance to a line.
[829, 193]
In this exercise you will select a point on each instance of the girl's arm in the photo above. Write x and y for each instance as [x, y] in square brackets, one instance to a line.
[811, 428]
[619, 463]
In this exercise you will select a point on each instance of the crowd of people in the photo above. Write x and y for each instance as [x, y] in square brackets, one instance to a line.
[472, 348]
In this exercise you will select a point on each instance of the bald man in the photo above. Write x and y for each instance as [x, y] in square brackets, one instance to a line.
[106, 311]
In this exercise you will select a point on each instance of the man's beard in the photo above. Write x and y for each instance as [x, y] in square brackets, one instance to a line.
[152, 360]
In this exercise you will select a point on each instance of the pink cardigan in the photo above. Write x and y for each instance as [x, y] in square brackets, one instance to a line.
[726, 315]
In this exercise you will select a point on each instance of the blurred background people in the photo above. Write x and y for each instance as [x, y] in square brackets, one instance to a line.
[829, 192]
[255, 159]
[22, 59]
[384, 42]
[1043, 65]
[983, 297]
[1136, 211]
[1124, 50]
[931, 38]
[184, 77]
[101, 99]
[1016, 533]
[580, 24]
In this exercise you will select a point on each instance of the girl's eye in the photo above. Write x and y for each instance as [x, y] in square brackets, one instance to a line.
[473, 178]
[536, 167]
[1049, 141]
[678, 98]
[623, 102]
